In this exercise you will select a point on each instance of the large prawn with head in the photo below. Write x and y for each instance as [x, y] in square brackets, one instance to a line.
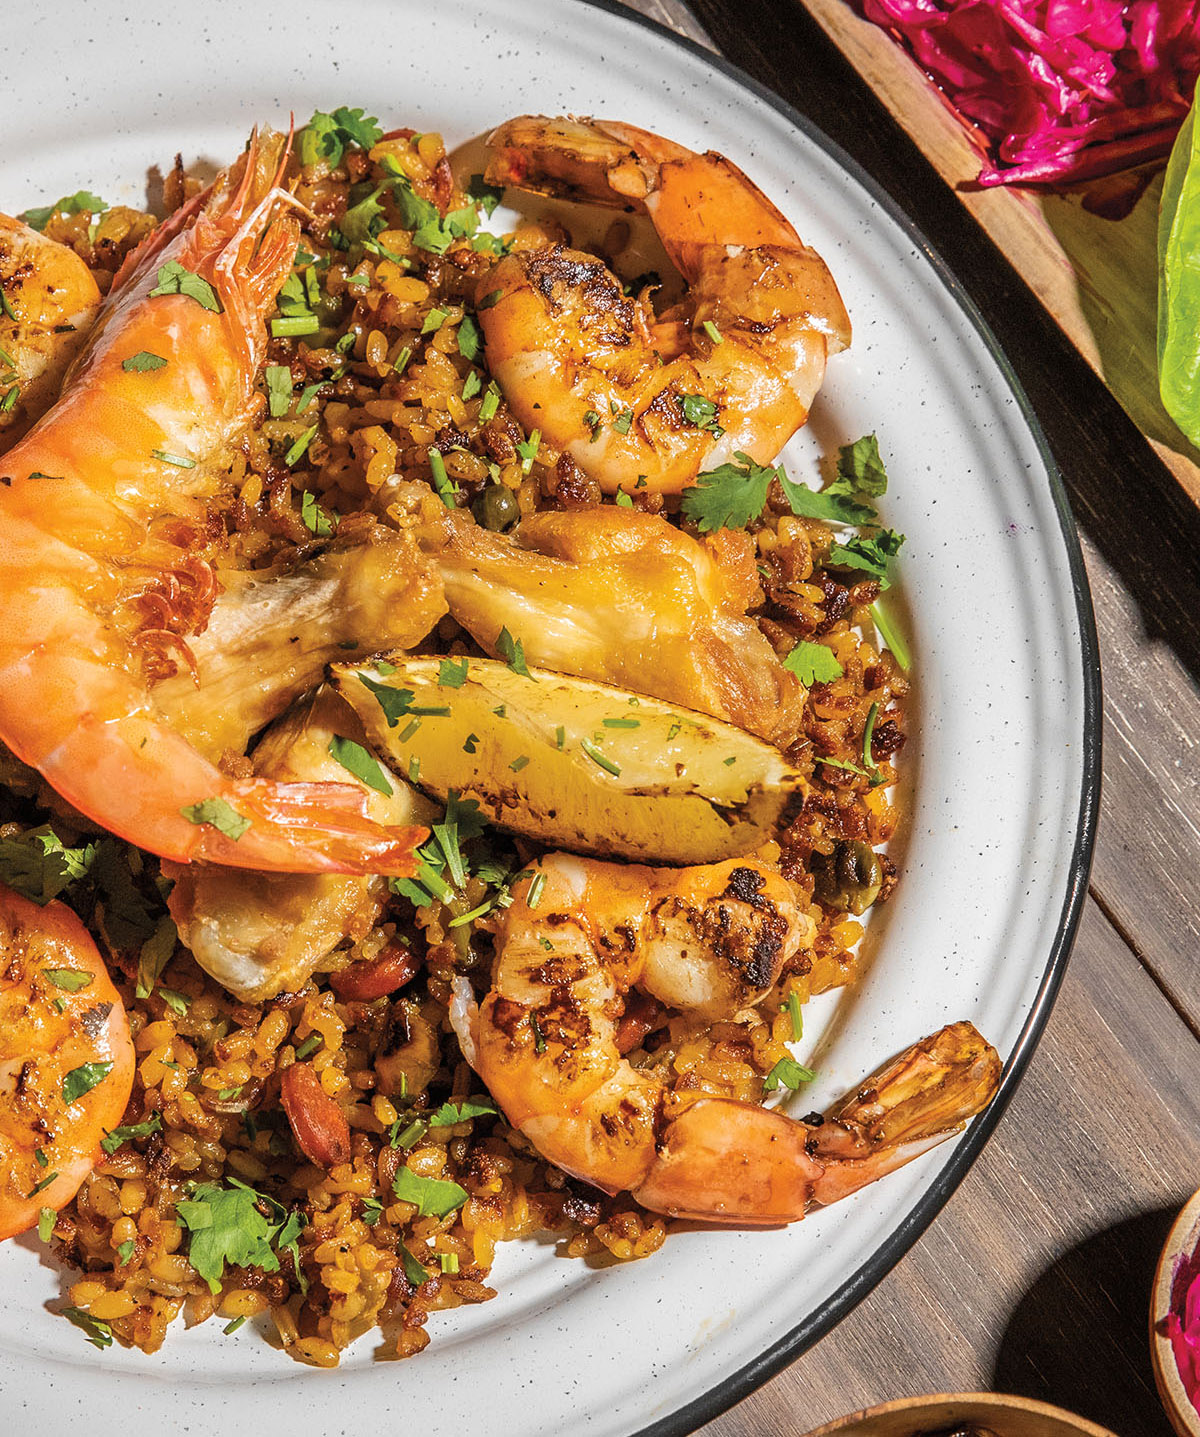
[100, 505]
[640, 401]
[548, 1041]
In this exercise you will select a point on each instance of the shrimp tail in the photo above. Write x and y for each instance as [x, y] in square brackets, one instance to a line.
[924, 1095]
[720, 1160]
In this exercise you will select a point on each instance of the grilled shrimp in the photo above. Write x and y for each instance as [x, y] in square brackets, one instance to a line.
[100, 505]
[66, 1058]
[708, 940]
[49, 302]
[634, 400]
[625, 598]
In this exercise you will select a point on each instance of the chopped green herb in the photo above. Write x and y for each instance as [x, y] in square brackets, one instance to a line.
[125, 1252]
[295, 326]
[219, 815]
[45, 1182]
[471, 743]
[472, 386]
[701, 412]
[70, 979]
[787, 1073]
[226, 1225]
[176, 1001]
[363, 765]
[8, 402]
[414, 769]
[83, 1079]
[560, 736]
[434, 321]
[490, 402]
[47, 1219]
[601, 760]
[432, 1196]
[452, 673]
[890, 633]
[861, 468]
[233, 1324]
[442, 482]
[409, 1136]
[360, 280]
[449, 1113]
[793, 1007]
[173, 278]
[470, 339]
[673, 731]
[316, 520]
[519, 763]
[623, 501]
[528, 450]
[413, 1270]
[490, 299]
[713, 332]
[870, 553]
[623, 420]
[225, 1094]
[372, 1211]
[512, 651]
[326, 136]
[300, 447]
[279, 390]
[534, 895]
[448, 1262]
[730, 496]
[539, 1038]
[309, 1046]
[592, 420]
[486, 196]
[401, 361]
[81, 202]
[180, 461]
[813, 664]
[40, 1158]
[99, 1333]
[143, 362]
[112, 1141]
[868, 735]
[622, 723]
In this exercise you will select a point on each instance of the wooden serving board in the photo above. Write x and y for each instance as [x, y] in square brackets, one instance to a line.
[1095, 276]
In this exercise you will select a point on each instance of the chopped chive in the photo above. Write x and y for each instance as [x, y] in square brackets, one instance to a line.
[534, 896]
[622, 723]
[793, 1007]
[309, 1046]
[293, 326]
[600, 759]
[539, 1042]
[560, 735]
[300, 447]
[434, 321]
[231, 1327]
[472, 386]
[401, 360]
[519, 763]
[180, 461]
[713, 332]
[409, 729]
[890, 633]
[490, 403]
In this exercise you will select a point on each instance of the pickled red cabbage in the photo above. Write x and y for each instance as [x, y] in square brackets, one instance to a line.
[1183, 1325]
[1059, 90]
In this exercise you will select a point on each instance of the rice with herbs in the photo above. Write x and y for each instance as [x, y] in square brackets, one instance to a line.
[202, 1202]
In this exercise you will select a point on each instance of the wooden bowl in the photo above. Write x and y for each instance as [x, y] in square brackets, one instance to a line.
[1182, 1241]
[1005, 1416]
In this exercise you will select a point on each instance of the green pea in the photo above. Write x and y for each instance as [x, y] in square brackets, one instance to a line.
[496, 507]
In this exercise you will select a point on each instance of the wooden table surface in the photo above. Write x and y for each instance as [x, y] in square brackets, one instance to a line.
[1035, 1278]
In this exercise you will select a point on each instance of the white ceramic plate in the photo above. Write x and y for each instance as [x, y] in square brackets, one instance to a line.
[1003, 765]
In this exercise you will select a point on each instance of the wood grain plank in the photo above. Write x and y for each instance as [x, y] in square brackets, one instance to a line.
[1147, 866]
[1036, 1276]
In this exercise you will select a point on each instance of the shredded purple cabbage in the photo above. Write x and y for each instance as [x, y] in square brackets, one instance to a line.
[1060, 90]
[1183, 1325]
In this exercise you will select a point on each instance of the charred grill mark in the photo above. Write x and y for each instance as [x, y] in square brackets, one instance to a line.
[556, 272]
[92, 1020]
[746, 884]
[24, 1078]
[508, 1016]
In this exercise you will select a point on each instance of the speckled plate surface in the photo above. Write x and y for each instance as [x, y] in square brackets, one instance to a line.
[1002, 770]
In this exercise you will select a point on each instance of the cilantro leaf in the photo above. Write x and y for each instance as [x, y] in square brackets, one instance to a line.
[83, 1079]
[99, 1333]
[219, 815]
[357, 128]
[326, 136]
[81, 202]
[452, 673]
[316, 520]
[787, 1073]
[512, 651]
[701, 412]
[449, 1113]
[39, 866]
[363, 765]
[486, 196]
[432, 1196]
[112, 1141]
[143, 362]
[860, 467]
[279, 390]
[813, 664]
[870, 553]
[730, 496]
[226, 1226]
[173, 278]
[833, 505]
